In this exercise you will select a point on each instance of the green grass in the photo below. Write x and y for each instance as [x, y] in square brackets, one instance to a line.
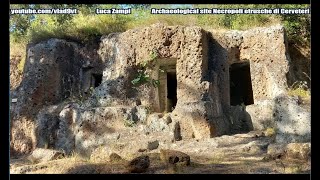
[81, 27]
[18, 49]
[85, 26]
[299, 92]
[299, 88]
[21, 64]
[270, 132]
[293, 170]
[129, 123]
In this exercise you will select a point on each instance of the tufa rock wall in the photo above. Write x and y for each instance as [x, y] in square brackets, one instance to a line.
[188, 46]
[266, 51]
[77, 97]
[52, 74]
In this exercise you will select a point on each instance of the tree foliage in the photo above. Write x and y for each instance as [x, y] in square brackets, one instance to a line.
[87, 25]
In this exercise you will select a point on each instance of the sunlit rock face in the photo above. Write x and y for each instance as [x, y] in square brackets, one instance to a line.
[210, 83]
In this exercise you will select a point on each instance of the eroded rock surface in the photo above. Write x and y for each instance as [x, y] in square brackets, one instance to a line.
[236, 154]
[81, 98]
[138, 164]
[290, 151]
[43, 155]
[174, 157]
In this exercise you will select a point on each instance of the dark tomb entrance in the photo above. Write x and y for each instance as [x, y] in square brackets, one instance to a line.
[97, 79]
[167, 90]
[171, 91]
[90, 78]
[240, 84]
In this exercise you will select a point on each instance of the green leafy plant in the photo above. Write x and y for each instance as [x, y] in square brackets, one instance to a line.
[129, 122]
[141, 78]
[153, 55]
[299, 88]
[145, 70]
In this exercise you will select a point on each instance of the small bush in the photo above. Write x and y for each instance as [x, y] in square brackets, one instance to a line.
[299, 92]
[299, 88]
[270, 132]
[18, 49]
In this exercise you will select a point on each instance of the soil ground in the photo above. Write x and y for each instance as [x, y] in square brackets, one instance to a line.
[237, 154]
